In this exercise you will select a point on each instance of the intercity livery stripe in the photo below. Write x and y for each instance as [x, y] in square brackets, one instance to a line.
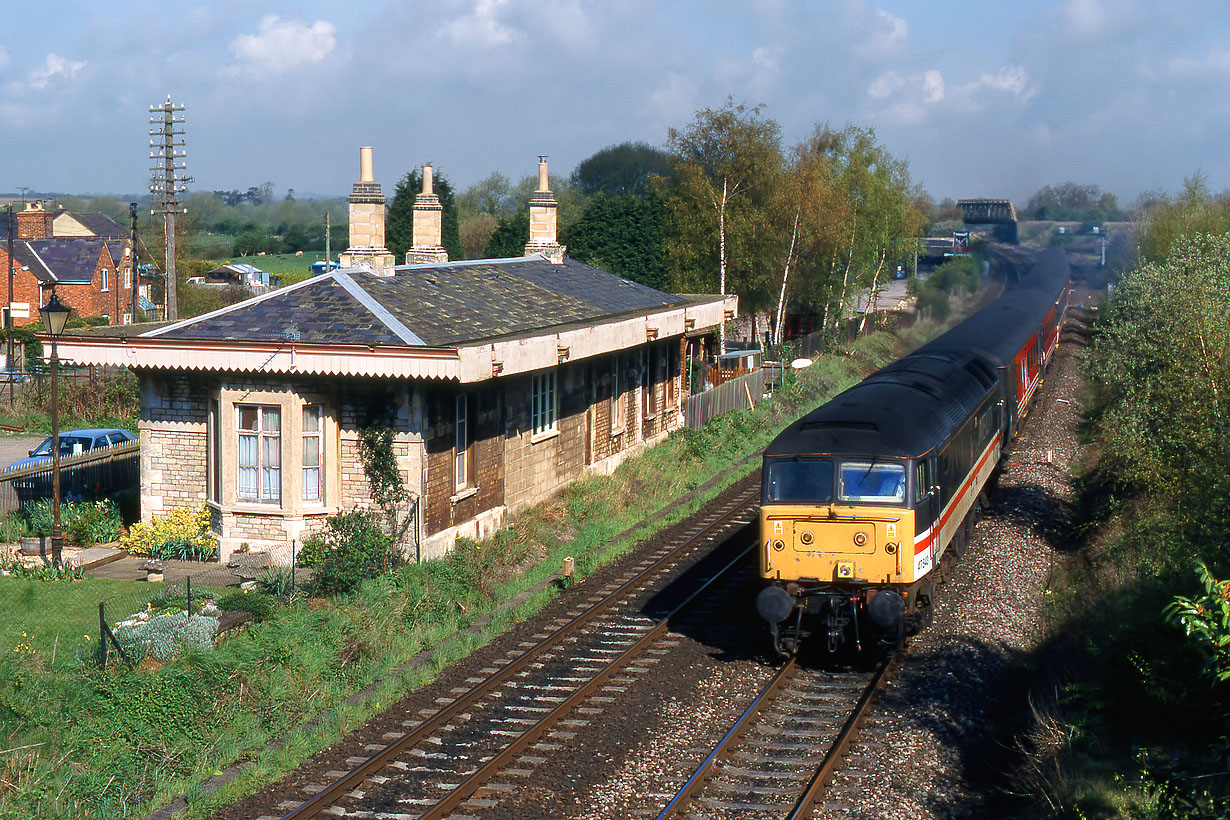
[922, 541]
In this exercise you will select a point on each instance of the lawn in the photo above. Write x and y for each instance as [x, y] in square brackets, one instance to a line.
[59, 620]
[285, 266]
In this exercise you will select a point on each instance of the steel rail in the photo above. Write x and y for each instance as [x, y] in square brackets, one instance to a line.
[323, 799]
[466, 788]
[845, 739]
[696, 782]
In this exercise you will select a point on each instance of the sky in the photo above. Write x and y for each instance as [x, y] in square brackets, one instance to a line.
[983, 99]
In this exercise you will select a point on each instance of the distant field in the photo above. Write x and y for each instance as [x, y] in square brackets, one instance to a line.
[286, 266]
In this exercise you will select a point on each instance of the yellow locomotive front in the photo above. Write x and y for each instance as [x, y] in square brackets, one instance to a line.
[837, 544]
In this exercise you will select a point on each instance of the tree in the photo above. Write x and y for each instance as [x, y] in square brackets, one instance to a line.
[399, 224]
[621, 169]
[622, 234]
[724, 165]
[510, 236]
[1162, 357]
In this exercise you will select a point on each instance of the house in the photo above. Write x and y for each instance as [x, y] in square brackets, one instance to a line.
[502, 379]
[94, 276]
[235, 274]
[65, 223]
[85, 256]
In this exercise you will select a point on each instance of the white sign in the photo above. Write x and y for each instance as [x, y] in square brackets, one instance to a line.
[21, 310]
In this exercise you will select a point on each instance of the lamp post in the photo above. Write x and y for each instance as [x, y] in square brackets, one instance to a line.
[55, 315]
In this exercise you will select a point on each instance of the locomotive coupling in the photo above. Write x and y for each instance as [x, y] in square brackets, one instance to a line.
[774, 604]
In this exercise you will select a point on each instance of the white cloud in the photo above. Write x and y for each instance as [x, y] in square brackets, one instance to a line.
[1212, 63]
[1011, 80]
[884, 86]
[887, 37]
[766, 59]
[933, 86]
[53, 67]
[4, 58]
[483, 27]
[281, 45]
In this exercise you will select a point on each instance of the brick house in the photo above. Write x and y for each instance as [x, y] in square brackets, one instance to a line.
[91, 271]
[503, 379]
[92, 275]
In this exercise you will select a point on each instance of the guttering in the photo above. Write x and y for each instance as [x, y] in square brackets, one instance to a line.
[288, 357]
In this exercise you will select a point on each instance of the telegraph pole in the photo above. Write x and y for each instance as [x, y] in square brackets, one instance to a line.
[136, 271]
[167, 181]
[8, 314]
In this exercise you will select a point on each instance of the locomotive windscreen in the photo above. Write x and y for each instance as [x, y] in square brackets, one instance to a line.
[798, 480]
[870, 481]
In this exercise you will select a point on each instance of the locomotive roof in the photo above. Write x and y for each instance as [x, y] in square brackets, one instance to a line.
[901, 411]
[1000, 329]
[911, 406]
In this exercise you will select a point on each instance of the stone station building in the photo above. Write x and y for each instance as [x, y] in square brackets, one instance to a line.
[503, 379]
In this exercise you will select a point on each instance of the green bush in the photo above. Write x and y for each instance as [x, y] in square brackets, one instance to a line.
[353, 547]
[257, 604]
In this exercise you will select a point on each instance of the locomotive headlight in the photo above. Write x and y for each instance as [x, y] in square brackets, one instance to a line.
[807, 537]
[890, 548]
[860, 538]
[845, 569]
[779, 544]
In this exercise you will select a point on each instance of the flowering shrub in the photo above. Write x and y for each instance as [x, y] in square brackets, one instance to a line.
[11, 564]
[86, 522]
[182, 534]
[164, 637]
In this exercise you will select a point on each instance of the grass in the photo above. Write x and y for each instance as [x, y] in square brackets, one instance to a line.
[139, 739]
[288, 267]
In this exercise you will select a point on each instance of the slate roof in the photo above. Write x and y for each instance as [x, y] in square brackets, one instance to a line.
[70, 259]
[437, 305]
[99, 224]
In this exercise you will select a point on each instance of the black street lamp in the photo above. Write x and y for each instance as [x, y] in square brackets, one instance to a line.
[55, 315]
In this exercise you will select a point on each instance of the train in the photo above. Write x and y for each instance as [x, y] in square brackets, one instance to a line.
[863, 497]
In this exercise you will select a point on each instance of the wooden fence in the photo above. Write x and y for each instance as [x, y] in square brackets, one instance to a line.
[89, 476]
[740, 393]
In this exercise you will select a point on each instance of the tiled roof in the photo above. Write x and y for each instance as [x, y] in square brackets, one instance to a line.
[434, 305]
[69, 259]
[100, 224]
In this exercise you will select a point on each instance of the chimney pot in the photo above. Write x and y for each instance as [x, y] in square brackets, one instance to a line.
[365, 164]
[427, 179]
[542, 174]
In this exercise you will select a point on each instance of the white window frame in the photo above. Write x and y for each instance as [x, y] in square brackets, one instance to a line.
[313, 443]
[127, 278]
[461, 443]
[544, 405]
[268, 475]
[105, 283]
[618, 411]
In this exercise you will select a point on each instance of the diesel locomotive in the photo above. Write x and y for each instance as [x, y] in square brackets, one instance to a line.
[862, 497]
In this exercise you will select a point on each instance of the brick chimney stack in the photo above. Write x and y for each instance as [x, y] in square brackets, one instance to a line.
[428, 226]
[367, 221]
[543, 220]
[34, 222]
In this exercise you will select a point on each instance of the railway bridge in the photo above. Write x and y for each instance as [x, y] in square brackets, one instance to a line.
[998, 212]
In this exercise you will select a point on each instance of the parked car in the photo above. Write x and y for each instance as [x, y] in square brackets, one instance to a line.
[73, 442]
[84, 482]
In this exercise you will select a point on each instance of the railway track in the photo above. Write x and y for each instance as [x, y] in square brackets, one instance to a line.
[528, 703]
[784, 749]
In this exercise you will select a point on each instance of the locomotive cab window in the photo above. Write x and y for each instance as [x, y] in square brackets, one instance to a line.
[872, 481]
[799, 480]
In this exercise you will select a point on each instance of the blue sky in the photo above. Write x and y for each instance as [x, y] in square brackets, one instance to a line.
[983, 99]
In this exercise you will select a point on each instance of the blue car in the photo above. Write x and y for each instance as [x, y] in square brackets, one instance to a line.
[81, 482]
[73, 442]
